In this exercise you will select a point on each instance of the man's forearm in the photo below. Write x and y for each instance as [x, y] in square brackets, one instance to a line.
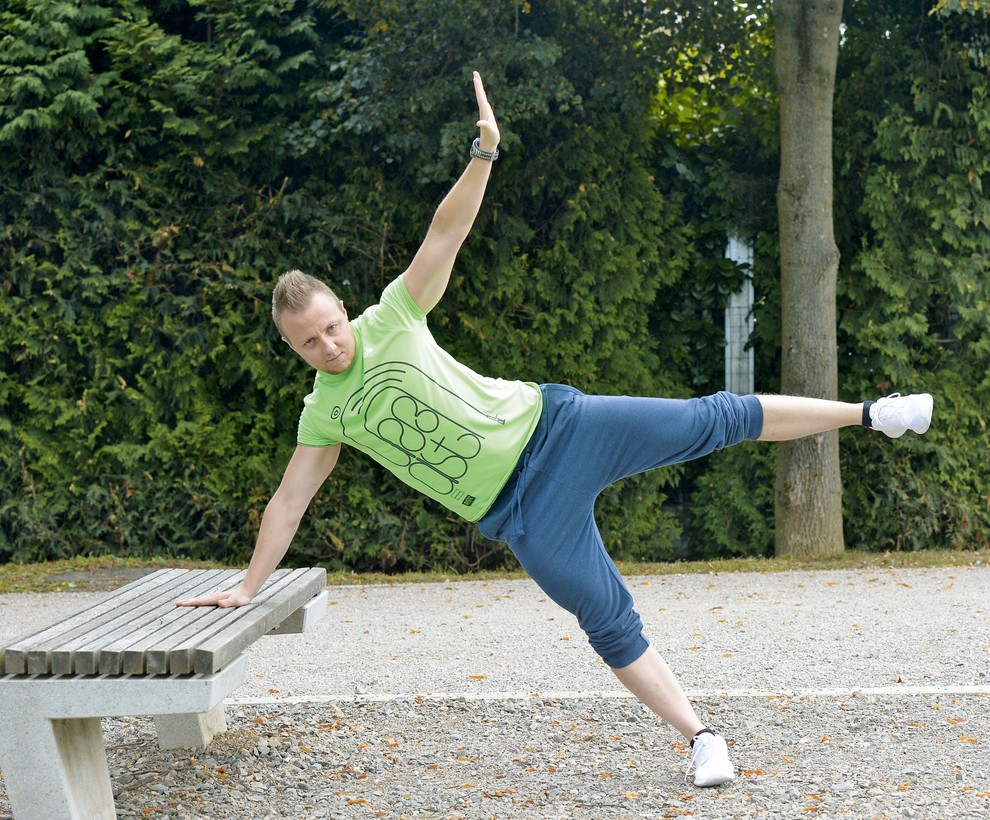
[458, 210]
[278, 527]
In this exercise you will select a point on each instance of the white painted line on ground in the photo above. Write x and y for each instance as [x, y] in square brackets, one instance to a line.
[700, 694]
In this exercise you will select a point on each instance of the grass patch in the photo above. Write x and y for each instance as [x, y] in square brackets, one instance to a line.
[83, 574]
[109, 572]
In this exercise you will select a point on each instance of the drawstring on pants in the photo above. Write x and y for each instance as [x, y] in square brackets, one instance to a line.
[516, 527]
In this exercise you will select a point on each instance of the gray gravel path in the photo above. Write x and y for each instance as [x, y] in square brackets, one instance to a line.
[843, 694]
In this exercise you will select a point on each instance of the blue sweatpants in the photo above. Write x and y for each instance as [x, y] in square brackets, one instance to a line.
[546, 511]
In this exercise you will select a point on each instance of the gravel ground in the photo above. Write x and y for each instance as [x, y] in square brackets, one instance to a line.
[870, 757]
[857, 694]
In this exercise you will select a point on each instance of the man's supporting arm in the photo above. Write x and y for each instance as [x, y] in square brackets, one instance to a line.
[308, 468]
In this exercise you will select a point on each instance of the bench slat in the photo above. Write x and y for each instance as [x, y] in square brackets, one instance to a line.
[123, 649]
[15, 655]
[177, 655]
[138, 630]
[214, 653]
[78, 653]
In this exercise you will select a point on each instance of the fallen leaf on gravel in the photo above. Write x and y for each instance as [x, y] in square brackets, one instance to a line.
[968, 739]
[956, 720]
[476, 677]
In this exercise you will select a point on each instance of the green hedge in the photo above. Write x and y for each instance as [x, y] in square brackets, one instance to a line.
[161, 164]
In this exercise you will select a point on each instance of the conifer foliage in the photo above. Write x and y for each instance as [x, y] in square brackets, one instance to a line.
[162, 162]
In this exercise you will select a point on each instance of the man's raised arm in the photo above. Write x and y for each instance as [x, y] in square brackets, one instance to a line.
[427, 276]
[308, 468]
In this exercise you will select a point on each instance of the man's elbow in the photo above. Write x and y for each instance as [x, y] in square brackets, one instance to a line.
[287, 507]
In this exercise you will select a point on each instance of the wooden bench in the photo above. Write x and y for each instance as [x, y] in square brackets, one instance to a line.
[133, 653]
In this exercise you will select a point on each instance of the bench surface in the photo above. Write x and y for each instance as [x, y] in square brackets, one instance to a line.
[138, 629]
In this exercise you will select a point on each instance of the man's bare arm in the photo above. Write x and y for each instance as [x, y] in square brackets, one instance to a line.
[427, 276]
[308, 468]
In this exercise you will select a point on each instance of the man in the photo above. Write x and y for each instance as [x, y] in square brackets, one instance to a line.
[525, 462]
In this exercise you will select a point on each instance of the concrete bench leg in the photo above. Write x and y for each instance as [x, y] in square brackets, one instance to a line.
[190, 731]
[51, 746]
[73, 782]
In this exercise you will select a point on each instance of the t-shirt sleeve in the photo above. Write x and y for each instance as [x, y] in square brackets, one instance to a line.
[308, 433]
[397, 307]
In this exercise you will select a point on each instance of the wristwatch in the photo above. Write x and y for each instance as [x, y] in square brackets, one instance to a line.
[476, 151]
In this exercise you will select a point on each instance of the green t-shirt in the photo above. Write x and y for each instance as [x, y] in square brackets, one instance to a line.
[436, 424]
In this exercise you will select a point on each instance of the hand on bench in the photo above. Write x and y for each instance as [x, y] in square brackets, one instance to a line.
[232, 597]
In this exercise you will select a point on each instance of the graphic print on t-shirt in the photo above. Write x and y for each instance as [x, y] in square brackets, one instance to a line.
[431, 447]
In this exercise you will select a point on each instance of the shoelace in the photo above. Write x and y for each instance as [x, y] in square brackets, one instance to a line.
[884, 410]
[693, 764]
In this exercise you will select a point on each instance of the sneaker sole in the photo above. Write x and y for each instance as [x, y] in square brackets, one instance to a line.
[720, 780]
[929, 403]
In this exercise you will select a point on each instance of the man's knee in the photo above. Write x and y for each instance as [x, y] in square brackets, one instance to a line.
[734, 418]
[620, 640]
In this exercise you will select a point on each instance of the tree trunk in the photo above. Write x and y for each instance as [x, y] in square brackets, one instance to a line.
[808, 485]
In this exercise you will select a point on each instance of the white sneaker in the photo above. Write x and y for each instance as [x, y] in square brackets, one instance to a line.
[896, 414]
[710, 762]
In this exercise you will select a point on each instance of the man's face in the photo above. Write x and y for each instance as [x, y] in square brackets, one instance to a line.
[321, 334]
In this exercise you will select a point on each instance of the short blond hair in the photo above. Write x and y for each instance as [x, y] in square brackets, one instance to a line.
[293, 292]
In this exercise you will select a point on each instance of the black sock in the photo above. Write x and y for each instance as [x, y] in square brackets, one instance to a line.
[866, 414]
[702, 732]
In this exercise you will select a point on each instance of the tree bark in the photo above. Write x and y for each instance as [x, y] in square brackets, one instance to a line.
[808, 483]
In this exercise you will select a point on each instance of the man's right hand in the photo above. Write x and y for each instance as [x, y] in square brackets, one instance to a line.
[232, 597]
